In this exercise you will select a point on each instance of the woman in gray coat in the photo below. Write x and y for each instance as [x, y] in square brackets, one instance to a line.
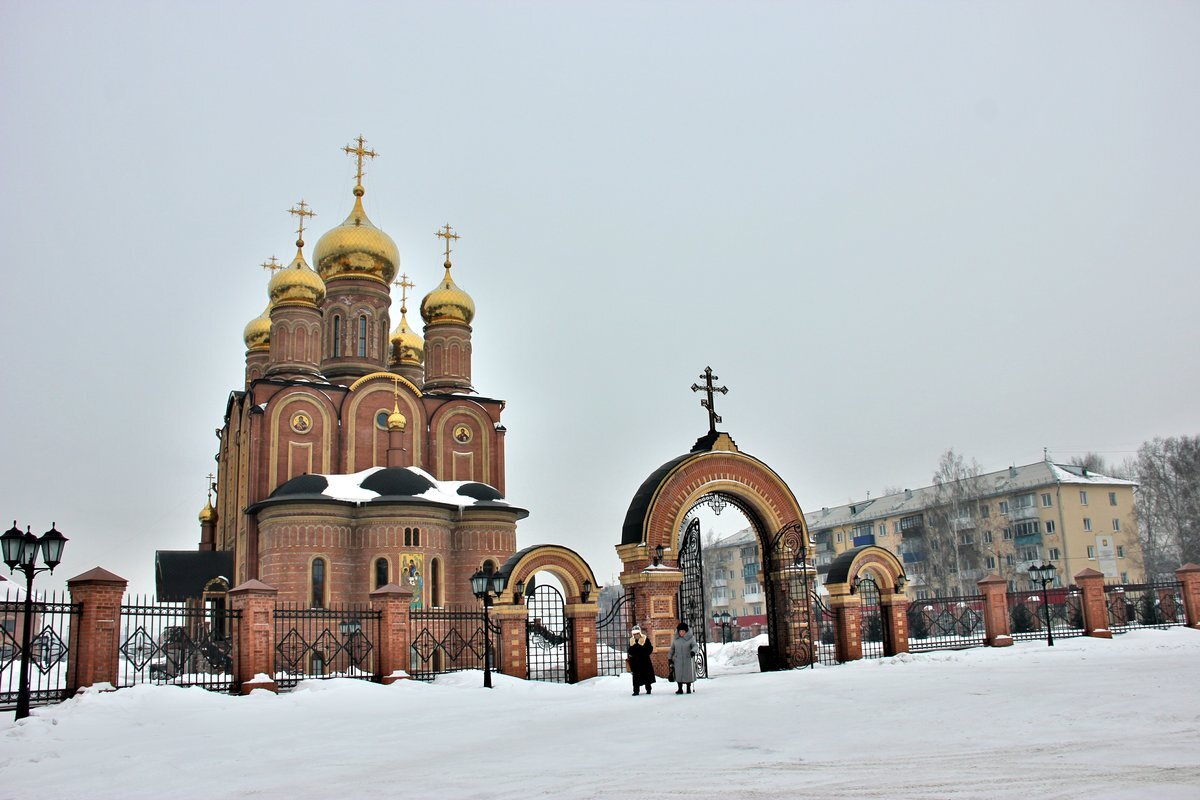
[683, 658]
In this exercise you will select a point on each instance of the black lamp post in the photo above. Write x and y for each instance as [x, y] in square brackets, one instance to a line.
[1045, 573]
[725, 623]
[485, 586]
[20, 553]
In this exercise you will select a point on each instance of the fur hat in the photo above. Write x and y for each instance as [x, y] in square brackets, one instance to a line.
[683, 626]
[636, 630]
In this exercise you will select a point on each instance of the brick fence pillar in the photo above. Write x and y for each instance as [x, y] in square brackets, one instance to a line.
[894, 610]
[1189, 576]
[254, 646]
[393, 602]
[512, 659]
[95, 634]
[1091, 600]
[997, 632]
[847, 623]
[583, 639]
[655, 595]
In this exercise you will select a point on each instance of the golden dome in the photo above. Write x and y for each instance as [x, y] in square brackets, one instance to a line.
[356, 248]
[447, 303]
[296, 285]
[396, 420]
[407, 346]
[257, 334]
[208, 513]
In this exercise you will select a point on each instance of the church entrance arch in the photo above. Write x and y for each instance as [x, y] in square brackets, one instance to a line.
[547, 635]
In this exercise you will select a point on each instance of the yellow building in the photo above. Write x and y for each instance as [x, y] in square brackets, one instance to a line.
[952, 535]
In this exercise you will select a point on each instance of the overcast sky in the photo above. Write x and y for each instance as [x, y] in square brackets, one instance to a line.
[890, 228]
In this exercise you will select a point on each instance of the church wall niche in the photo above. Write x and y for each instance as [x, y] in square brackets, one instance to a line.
[462, 427]
[366, 442]
[301, 417]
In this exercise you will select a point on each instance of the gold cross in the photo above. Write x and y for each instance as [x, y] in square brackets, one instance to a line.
[301, 210]
[405, 284]
[447, 234]
[272, 264]
[359, 153]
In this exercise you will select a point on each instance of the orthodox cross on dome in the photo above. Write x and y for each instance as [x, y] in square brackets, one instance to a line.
[707, 402]
[405, 284]
[359, 152]
[272, 264]
[447, 234]
[301, 210]
[211, 485]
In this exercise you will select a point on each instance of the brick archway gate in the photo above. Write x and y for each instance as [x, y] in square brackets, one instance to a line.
[866, 595]
[578, 610]
[659, 515]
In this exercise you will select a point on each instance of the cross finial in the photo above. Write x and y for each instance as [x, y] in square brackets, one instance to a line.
[301, 210]
[405, 284]
[359, 152]
[272, 264]
[707, 402]
[445, 233]
[211, 485]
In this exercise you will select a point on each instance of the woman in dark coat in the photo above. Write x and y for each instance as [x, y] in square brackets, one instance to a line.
[640, 667]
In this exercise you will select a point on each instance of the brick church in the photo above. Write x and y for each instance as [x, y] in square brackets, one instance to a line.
[357, 454]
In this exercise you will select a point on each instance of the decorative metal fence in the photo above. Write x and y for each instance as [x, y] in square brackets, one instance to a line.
[824, 630]
[1027, 613]
[180, 644]
[448, 640]
[946, 623]
[872, 618]
[612, 636]
[50, 636]
[1144, 605]
[321, 643]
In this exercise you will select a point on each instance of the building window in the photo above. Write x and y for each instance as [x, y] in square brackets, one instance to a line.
[318, 583]
[1054, 554]
[1087, 524]
[991, 562]
[416, 537]
[1049, 526]
[1124, 577]
[362, 336]
[987, 537]
[337, 336]
[1003, 506]
[1025, 500]
[1112, 498]
[1083, 497]
[381, 572]
[985, 510]
[435, 583]
[1120, 551]
[1007, 533]
[883, 529]
[965, 538]
[1027, 528]
[1091, 552]
[316, 665]
[408, 537]
[839, 537]
[1116, 525]
[1008, 560]
[1046, 501]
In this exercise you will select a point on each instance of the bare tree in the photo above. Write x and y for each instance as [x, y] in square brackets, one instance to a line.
[1168, 503]
[952, 522]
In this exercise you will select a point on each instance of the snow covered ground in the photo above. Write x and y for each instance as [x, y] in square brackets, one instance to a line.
[1086, 718]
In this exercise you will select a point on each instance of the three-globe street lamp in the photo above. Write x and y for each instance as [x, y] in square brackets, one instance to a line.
[1045, 573]
[726, 623]
[20, 553]
[485, 585]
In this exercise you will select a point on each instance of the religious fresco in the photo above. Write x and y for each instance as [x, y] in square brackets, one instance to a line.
[412, 575]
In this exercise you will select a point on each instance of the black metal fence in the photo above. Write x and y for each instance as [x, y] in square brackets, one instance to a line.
[1027, 613]
[320, 643]
[825, 631]
[871, 620]
[612, 636]
[48, 647]
[449, 640]
[946, 623]
[1144, 605]
[182, 644]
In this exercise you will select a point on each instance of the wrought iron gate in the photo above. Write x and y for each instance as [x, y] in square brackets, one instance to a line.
[785, 574]
[692, 608]
[612, 636]
[824, 632]
[872, 630]
[548, 637]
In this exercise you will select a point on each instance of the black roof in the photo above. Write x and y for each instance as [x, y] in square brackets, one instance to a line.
[839, 570]
[182, 574]
[635, 517]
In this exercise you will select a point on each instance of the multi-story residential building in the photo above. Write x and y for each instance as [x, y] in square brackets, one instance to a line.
[732, 578]
[950, 536]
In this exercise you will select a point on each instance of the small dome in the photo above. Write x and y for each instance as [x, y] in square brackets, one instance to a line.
[396, 420]
[407, 346]
[208, 513]
[447, 303]
[296, 285]
[356, 248]
[257, 334]
[397, 482]
[480, 491]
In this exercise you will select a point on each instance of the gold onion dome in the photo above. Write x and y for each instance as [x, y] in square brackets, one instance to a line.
[407, 346]
[447, 303]
[257, 334]
[296, 285]
[208, 513]
[396, 420]
[356, 248]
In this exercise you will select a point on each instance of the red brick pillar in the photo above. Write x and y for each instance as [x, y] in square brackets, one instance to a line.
[1189, 576]
[1091, 599]
[95, 634]
[583, 639]
[512, 659]
[655, 595]
[894, 608]
[847, 622]
[392, 648]
[254, 647]
[997, 632]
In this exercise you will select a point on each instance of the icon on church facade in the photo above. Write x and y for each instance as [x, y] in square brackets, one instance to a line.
[462, 434]
[301, 422]
[412, 575]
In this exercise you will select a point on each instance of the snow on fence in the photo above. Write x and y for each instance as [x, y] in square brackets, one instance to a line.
[50, 635]
[334, 642]
[180, 644]
[946, 623]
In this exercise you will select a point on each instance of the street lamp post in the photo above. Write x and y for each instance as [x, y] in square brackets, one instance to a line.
[723, 621]
[485, 586]
[20, 553]
[1045, 573]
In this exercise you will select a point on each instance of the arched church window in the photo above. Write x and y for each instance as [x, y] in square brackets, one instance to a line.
[316, 666]
[416, 537]
[362, 336]
[381, 572]
[337, 336]
[408, 537]
[435, 583]
[318, 583]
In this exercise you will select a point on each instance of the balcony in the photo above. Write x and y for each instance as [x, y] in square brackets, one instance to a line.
[757, 597]
[1017, 514]
[823, 547]
[860, 541]
[962, 524]
[912, 530]
[720, 602]
[1028, 540]
[913, 558]
[720, 581]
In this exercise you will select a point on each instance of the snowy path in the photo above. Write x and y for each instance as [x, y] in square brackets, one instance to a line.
[1099, 719]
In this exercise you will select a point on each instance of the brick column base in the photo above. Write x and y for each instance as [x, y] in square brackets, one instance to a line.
[512, 659]
[392, 649]
[254, 647]
[847, 623]
[95, 634]
[997, 632]
[583, 640]
[1095, 609]
[1189, 576]
[894, 610]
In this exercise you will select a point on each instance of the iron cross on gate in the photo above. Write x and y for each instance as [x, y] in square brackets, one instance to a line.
[707, 402]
